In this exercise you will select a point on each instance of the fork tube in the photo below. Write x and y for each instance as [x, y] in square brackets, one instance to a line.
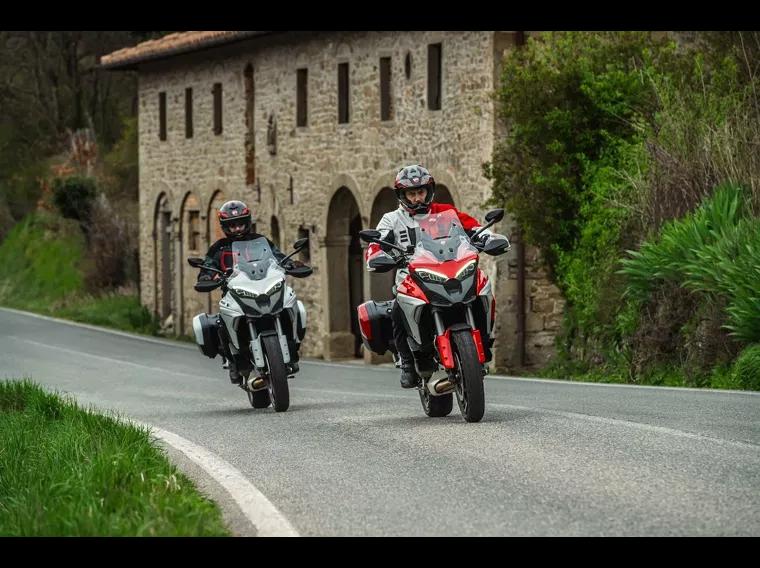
[438, 322]
[470, 317]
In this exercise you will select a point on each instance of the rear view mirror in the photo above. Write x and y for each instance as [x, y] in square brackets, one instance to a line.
[300, 243]
[369, 235]
[195, 261]
[495, 215]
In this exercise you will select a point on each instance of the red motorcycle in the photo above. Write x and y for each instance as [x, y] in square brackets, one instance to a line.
[448, 310]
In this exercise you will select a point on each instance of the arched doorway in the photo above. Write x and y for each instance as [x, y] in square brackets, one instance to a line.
[345, 276]
[162, 258]
[443, 195]
[190, 244]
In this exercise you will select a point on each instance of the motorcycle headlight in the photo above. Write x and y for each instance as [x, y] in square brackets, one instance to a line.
[274, 288]
[467, 270]
[244, 293]
[431, 276]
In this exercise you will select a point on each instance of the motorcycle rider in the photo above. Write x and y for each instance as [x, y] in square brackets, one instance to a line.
[415, 190]
[237, 224]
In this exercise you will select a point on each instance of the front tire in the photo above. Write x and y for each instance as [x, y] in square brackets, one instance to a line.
[278, 373]
[470, 393]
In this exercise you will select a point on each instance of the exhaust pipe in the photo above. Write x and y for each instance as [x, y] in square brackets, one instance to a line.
[256, 383]
[440, 386]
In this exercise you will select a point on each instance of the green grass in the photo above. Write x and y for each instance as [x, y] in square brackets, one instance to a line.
[111, 310]
[40, 261]
[40, 272]
[68, 471]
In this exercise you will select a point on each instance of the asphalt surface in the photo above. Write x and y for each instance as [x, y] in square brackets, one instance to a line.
[355, 454]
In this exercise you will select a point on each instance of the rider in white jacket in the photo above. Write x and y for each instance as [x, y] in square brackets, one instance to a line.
[415, 189]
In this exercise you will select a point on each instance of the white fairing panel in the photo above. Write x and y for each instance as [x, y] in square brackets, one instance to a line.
[412, 308]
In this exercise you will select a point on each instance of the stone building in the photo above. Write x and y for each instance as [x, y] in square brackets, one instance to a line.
[309, 129]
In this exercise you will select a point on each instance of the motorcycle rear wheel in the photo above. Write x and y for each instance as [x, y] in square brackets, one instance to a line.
[259, 398]
[436, 406]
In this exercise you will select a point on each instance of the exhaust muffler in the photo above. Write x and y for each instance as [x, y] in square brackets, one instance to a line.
[257, 383]
[437, 387]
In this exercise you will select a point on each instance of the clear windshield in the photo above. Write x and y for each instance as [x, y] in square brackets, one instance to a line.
[441, 237]
[253, 258]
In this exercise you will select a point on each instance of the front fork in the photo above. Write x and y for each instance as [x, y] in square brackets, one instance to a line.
[258, 352]
[443, 339]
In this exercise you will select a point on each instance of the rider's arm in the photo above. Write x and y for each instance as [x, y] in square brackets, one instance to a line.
[385, 226]
[212, 261]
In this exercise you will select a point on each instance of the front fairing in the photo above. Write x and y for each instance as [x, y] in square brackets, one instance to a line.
[444, 262]
[257, 282]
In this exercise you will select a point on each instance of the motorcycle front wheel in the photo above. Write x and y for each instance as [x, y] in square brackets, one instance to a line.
[470, 393]
[278, 374]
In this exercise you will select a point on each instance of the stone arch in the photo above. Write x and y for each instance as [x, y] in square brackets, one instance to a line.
[162, 257]
[444, 180]
[344, 274]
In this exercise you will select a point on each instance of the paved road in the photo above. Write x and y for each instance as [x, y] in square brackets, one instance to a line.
[355, 454]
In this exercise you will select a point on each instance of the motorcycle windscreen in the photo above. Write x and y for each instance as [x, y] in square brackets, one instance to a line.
[253, 257]
[441, 238]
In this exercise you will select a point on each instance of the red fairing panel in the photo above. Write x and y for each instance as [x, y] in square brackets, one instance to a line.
[482, 280]
[410, 288]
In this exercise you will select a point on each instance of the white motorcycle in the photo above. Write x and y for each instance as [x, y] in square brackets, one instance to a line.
[259, 322]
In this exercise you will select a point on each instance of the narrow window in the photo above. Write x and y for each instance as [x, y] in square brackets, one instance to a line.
[217, 108]
[250, 138]
[343, 92]
[434, 76]
[302, 93]
[188, 113]
[194, 230]
[162, 116]
[385, 88]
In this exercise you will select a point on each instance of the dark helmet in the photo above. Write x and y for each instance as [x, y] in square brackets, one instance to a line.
[235, 219]
[412, 177]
